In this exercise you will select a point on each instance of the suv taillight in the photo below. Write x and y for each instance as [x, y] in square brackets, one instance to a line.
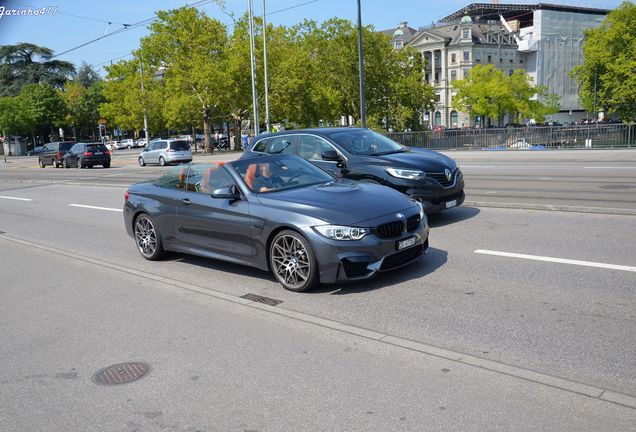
[59, 155]
[126, 195]
[170, 150]
[88, 154]
[107, 153]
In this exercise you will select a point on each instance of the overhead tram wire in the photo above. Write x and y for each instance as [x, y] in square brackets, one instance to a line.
[128, 27]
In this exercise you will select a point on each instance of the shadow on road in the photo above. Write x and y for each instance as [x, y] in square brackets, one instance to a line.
[455, 215]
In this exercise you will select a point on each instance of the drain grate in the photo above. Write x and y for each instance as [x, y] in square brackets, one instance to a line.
[261, 299]
[121, 373]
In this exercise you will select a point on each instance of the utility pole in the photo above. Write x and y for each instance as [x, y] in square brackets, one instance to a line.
[363, 109]
[141, 72]
[267, 125]
[253, 67]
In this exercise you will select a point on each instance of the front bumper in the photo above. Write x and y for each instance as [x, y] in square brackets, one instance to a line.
[341, 261]
[437, 198]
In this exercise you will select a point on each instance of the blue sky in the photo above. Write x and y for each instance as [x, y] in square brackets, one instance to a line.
[77, 21]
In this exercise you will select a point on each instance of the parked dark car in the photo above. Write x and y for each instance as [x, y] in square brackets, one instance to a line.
[83, 155]
[35, 151]
[53, 152]
[363, 155]
[278, 213]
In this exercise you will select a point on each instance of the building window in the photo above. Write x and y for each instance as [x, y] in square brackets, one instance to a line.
[466, 73]
[439, 97]
[489, 58]
[510, 72]
[453, 75]
[466, 55]
[466, 34]
[453, 119]
[438, 118]
[453, 58]
[399, 44]
[477, 56]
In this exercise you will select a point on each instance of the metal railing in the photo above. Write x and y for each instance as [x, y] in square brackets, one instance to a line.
[592, 136]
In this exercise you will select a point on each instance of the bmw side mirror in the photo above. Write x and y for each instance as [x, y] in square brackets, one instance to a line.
[226, 193]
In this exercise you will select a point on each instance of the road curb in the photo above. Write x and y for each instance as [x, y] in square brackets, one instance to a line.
[551, 207]
[540, 378]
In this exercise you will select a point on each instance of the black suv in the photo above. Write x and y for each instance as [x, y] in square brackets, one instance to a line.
[87, 155]
[361, 154]
[53, 152]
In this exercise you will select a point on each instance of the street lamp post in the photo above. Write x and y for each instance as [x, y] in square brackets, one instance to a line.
[141, 72]
[253, 68]
[363, 109]
[267, 125]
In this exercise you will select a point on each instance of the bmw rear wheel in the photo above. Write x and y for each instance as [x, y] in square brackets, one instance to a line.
[293, 261]
[147, 238]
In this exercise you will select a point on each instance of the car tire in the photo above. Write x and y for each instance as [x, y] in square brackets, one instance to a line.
[142, 162]
[41, 163]
[147, 237]
[293, 262]
[54, 163]
[162, 161]
[129, 147]
[106, 165]
[79, 163]
[65, 163]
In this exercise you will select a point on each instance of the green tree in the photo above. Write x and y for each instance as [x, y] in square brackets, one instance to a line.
[489, 92]
[607, 75]
[87, 75]
[124, 102]
[26, 63]
[194, 50]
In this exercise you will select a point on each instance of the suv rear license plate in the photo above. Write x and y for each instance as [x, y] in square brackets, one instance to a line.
[406, 243]
[452, 203]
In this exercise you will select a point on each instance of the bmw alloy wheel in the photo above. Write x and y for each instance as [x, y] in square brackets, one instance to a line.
[293, 262]
[147, 238]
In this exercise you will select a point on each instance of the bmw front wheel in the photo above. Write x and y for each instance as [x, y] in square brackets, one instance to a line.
[293, 262]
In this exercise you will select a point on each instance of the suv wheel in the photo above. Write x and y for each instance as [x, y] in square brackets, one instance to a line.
[142, 162]
[54, 163]
[162, 161]
[41, 163]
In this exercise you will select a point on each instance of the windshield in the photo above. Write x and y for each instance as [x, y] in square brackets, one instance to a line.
[365, 142]
[64, 147]
[269, 174]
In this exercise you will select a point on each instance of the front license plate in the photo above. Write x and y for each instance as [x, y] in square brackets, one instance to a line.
[406, 243]
[452, 203]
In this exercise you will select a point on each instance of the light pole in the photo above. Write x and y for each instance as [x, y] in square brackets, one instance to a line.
[267, 125]
[253, 68]
[141, 72]
[363, 109]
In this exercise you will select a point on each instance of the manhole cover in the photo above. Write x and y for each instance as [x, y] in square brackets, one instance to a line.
[262, 299]
[121, 373]
[617, 186]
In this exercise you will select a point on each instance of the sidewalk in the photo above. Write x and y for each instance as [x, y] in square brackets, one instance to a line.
[614, 155]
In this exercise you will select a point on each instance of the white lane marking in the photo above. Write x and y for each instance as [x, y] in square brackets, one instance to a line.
[96, 208]
[610, 167]
[545, 178]
[491, 192]
[557, 260]
[16, 198]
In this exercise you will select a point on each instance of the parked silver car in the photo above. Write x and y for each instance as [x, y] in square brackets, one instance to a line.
[164, 152]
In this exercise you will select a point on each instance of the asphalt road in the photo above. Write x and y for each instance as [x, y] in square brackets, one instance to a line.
[529, 333]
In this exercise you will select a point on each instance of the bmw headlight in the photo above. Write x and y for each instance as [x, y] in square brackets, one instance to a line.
[338, 232]
[406, 174]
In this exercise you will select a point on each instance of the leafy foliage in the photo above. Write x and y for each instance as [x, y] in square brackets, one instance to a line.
[19, 66]
[489, 92]
[609, 64]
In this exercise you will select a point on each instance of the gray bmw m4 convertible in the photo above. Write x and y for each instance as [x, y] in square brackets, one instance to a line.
[278, 213]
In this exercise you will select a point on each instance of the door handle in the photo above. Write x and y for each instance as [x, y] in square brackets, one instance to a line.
[186, 201]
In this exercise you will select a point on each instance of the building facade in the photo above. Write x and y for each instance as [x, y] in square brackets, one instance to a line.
[545, 40]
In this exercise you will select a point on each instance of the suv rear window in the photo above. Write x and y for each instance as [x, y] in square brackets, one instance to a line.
[180, 145]
[96, 147]
[66, 146]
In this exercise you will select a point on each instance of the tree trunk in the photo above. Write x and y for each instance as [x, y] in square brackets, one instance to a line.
[237, 134]
[208, 149]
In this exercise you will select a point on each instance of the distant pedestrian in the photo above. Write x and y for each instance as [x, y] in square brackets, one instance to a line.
[244, 141]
